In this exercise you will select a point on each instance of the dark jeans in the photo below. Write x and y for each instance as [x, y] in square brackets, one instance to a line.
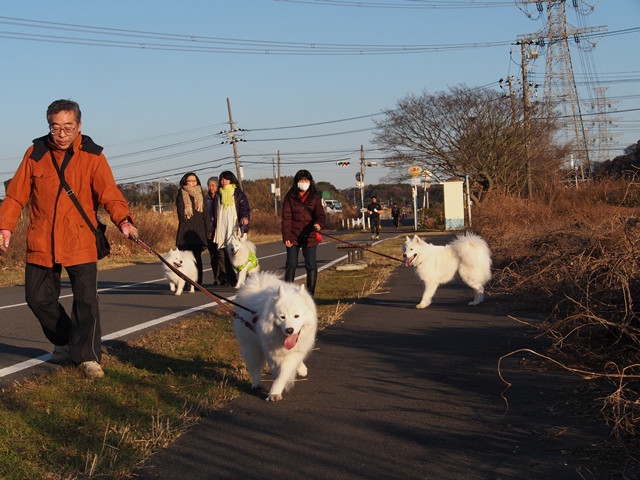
[213, 255]
[82, 330]
[375, 225]
[226, 272]
[309, 254]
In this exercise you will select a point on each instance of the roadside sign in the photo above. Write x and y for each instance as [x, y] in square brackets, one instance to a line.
[414, 170]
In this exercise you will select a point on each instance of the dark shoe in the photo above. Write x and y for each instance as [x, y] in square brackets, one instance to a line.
[312, 277]
[60, 354]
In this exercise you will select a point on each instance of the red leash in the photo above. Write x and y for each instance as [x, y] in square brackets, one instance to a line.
[211, 295]
[356, 246]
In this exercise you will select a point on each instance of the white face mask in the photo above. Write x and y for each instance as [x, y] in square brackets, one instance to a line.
[303, 186]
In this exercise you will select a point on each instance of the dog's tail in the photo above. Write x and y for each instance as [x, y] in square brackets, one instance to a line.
[472, 250]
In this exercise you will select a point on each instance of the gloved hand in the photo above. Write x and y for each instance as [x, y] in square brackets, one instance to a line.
[5, 238]
[129, 230]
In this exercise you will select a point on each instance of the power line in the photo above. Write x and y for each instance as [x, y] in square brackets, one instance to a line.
[318, 123]
[203, 44]
[410, 4]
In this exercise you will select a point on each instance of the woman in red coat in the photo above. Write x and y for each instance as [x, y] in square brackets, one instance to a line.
[302, 216]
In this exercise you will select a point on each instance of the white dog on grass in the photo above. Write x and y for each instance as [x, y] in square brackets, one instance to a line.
[468, 255]
[283, 332]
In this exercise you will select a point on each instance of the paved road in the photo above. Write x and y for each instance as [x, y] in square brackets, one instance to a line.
[133, 300]
[398, 393]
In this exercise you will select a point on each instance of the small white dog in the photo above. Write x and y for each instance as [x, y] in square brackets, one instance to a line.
[242, 253]
[283, 332]
[468, 255]
[186, 263]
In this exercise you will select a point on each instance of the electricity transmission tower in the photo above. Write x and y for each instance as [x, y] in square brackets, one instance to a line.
[559, 82]
[602, 137]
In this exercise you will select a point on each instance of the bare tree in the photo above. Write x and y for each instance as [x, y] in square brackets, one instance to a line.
[471, 132]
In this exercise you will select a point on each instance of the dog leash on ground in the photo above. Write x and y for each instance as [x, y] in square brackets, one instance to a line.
[357, 246]
[215, 297]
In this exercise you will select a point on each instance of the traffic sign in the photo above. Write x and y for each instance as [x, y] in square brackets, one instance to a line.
[414, 170]
[359, 176]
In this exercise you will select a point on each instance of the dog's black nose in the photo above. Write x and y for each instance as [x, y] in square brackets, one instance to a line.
[289, 331]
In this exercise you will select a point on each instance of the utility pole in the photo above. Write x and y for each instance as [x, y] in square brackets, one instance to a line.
[231, 135]
[275, 187]
[279, 186]
[509, 82]
[362, 182]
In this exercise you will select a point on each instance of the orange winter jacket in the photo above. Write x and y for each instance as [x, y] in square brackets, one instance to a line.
[57, 232]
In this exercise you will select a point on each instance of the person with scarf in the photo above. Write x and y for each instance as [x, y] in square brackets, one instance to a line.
[302, 217]
[194, 225]
[230, 211]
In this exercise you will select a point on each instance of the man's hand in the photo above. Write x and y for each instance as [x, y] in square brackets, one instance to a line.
[5, 238]
[129, 230]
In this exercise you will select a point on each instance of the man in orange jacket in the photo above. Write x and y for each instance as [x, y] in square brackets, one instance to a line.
[58, 236]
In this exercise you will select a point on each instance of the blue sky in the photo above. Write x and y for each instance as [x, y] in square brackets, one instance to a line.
[157, 105]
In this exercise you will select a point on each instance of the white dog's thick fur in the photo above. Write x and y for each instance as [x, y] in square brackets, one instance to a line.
[242, 253]
[285, 330]
[468, 255]
[186, 263]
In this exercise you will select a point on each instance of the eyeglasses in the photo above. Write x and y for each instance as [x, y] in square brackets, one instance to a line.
[55, 129]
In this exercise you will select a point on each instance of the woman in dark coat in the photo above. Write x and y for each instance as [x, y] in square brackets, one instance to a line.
[302, 216]
[194, 224]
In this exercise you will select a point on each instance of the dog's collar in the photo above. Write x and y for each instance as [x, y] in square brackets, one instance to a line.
[250, 325]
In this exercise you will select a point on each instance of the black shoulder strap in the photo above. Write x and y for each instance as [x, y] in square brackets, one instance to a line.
[69, 191]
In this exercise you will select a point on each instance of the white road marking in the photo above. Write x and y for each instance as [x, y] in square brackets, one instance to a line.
[32, 362]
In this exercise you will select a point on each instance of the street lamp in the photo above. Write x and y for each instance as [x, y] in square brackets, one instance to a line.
[166, 179]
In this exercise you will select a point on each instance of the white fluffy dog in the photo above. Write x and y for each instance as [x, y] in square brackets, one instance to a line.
[186, 263]
[283, 332]
[468, 255]
[242, 253]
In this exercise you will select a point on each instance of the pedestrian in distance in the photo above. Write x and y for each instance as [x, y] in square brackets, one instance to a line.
[395, 213]
[303, 216]
[212, 190]
[230, 211]
[374, 217]
[194, 223]
[59, 236]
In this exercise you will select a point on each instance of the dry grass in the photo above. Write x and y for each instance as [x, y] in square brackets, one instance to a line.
[574, 258]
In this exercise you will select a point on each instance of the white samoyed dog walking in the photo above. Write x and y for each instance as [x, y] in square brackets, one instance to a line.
[283, 332]
[186, 263]
[468, 255]
[242, 253]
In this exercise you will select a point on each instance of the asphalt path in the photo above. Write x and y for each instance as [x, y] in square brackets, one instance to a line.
[397, 393]
[133, 301]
